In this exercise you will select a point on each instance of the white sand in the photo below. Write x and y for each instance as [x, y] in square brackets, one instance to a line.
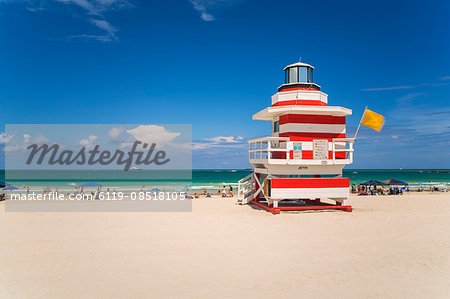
[392, 247]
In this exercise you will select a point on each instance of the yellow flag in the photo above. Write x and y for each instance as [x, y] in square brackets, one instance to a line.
[373, 120]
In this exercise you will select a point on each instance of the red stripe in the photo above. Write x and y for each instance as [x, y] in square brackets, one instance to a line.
[311, 183]
[300, 102]
[299, 136]
[295, 138]
[312, 119]
[297, 88]
[340, 155]
[321, 207]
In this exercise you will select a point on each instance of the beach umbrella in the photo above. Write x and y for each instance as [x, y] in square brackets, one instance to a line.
[372, 183]
[187, 187]
[2, 184]
[155, 189]
[177, 190]
[91, 185]
[395, 182]
[10, 188]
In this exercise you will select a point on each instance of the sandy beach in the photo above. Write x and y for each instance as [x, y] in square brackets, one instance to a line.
[389, 246]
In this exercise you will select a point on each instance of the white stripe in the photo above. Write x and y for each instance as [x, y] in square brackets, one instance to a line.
[313, 128]
[300, 95]
[299, 101]
[295, 193]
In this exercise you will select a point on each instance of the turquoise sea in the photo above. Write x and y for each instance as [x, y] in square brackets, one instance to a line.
[211, 179]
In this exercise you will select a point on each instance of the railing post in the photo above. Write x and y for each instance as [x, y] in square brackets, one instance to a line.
[262, 150]
[350, 145]
[269, 151]
[239, 189]
[287, 152]
[333, 148]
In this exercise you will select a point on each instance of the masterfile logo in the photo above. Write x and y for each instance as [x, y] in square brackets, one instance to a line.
[94, 156]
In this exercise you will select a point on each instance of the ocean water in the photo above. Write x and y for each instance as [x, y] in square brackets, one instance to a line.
[411, 176]
[210, 179]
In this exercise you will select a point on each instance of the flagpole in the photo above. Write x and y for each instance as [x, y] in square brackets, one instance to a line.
[357, 130]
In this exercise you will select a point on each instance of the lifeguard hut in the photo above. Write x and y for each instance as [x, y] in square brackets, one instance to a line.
[299, 167]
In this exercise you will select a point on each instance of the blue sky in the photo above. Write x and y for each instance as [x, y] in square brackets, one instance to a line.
[214, 63]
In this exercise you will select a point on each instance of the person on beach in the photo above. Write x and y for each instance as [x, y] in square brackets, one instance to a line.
[224, 191]
[231, 191]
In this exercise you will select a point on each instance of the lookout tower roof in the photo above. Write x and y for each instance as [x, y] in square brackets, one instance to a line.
[299, 64]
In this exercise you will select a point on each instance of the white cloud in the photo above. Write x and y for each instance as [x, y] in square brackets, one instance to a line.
[93, 10]
[85, 4]
[98, 7]
[391, 88]
[406, 99]
[207, 17]
[101, 38]
[200, 6]
[26, 138]
[226, 139]
[219, 141]
[152, 134]
[404, 86]
[200, 146]
[114, 134]
[205, 7]
[13, 144]
[38, 139]
[89, 142]
[102, 24]
[107, 27]
[5, 138]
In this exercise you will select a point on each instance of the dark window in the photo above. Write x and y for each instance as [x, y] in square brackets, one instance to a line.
[275, 127]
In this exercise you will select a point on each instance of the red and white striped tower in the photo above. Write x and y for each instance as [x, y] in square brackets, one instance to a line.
[304, 157]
